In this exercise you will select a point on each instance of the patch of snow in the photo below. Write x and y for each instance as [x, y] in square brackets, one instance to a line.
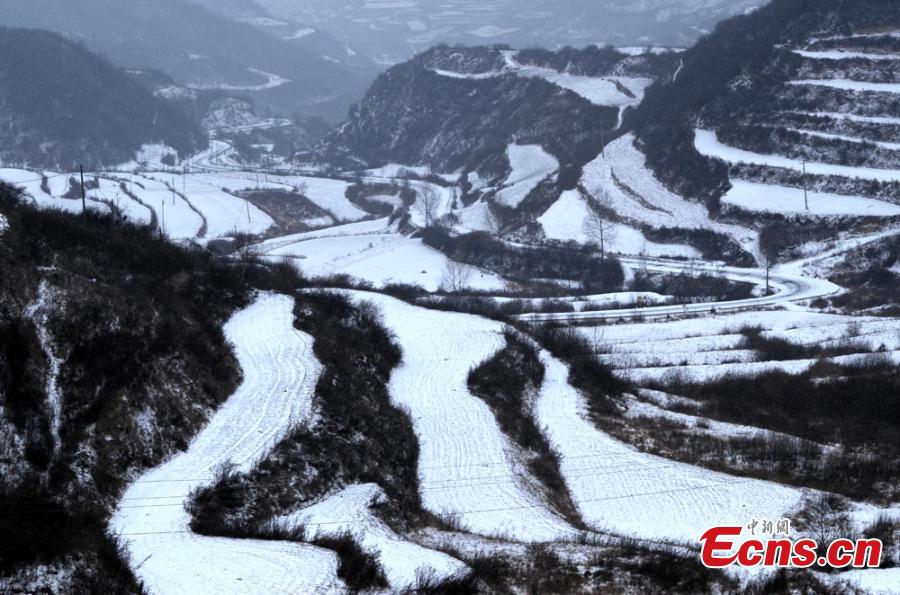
[847, 85]
[708, 144]
[273, 82]
[851, 139]
[301, 33]
[38, 313]
[349, 511]
[488, 31]
[280, 373]
[886, 120]
[845, 55]
[765, 198]
[530, 164]
[31, 183]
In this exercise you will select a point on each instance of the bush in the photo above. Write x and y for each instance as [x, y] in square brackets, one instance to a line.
[357, 568]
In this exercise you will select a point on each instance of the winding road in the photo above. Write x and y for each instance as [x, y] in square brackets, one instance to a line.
[786, 288]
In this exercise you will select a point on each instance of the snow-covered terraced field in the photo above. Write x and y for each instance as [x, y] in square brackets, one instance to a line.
[349, 511]
[708, 349]
[468, 469]
[280, 374]
[372, 251]
[620, 176]
[847, 85]
[707, 143]
[225, 213]
[568, 219]
[175, 216]
[617, 488]
[30, 181]
[767, 198]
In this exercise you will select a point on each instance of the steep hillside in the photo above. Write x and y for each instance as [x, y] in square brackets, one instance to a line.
[61, 106]
[201, 50]
[457, 108]
[798, 85]
[112, 356]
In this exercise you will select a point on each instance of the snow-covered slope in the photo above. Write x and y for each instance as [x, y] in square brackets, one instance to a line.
[468, 469]
[620, 489]
[280, 373]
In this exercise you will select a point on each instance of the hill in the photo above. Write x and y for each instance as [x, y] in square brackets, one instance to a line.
[200, 50]
[797, 85]
[454, 108]
[61, 106]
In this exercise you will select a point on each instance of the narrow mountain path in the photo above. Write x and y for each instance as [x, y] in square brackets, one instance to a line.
[280, 374]
[468, 470]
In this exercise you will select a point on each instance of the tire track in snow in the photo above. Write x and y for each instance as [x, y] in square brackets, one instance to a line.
[458, 435]
[641, 495]
[280, 374]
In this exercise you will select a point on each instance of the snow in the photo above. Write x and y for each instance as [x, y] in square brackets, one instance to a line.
[279, 378]
[566, 220]
[273, 81]
[886, 120]
[846, 85]
[643, 51]
[467, 467]
[4, 225]
[349, 511]
[149, 156]
[873, 581]
[225, 214]
[325, 193]
[380, 258]
[31, 182]
[530, 164]
[845, 55]
[620, 489]
[621, 177]
[176, 217]
[301, 33]
[765, 198]
[488, 31]
[849, 139]
[707, 143]
[110, 192]
[38, 313]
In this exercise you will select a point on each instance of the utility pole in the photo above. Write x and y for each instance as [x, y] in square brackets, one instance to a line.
[83, 195]
[805, 191]
[173, 191]
[162, 230]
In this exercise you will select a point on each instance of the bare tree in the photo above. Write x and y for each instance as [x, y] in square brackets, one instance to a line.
[597, 226]
[493, 220]
[427, 204]
[456, 277]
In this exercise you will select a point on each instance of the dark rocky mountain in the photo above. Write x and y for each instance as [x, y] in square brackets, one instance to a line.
[61, 106]
[201, 49]
[455, 108]
[782, 81]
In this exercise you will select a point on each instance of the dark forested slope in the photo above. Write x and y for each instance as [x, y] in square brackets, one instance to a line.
[61, 106]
